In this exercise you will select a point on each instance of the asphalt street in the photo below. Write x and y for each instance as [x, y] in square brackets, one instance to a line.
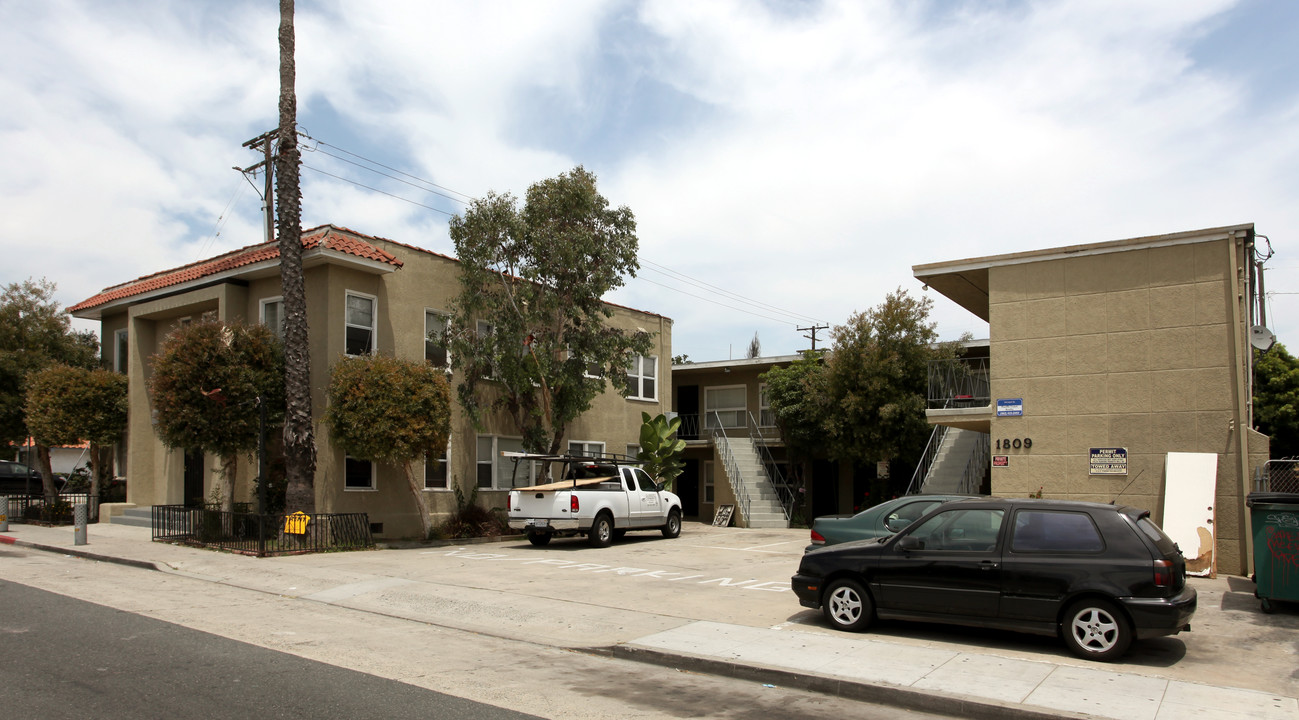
[504, 672]
[67, 658]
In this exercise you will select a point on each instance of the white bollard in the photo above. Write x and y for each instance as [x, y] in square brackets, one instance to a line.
[79, 518]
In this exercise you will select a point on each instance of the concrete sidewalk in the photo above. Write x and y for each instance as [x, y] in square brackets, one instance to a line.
[968, 682]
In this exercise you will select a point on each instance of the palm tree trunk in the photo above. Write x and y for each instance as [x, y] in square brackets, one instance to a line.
[299, 439]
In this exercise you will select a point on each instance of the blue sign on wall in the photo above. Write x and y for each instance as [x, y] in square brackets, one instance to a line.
[1010, 407]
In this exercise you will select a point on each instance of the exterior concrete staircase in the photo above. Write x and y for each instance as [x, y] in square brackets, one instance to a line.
[137, 516]
[765, 510]
[948, 469]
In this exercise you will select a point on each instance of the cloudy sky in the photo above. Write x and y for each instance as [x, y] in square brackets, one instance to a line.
[787, 162]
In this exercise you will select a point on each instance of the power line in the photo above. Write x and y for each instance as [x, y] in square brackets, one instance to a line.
[720, 291]
[375, 189]
[467, 200]
[649, 264]
[392, 177]
[700, 297]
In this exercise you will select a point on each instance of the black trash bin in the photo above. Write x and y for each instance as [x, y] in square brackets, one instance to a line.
[1275, 519]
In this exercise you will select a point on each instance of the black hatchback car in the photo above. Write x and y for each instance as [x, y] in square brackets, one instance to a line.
[1096, 575]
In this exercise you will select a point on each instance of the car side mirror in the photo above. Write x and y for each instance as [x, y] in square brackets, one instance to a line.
[896, 524]
[660, 485]
[909, 543]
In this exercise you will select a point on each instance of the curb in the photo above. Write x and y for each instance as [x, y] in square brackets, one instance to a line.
[83, 554]
[887, 695]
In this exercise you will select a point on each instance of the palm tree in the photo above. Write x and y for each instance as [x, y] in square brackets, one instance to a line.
[299, 440]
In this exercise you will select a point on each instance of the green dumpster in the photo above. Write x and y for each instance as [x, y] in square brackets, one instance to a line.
[1275, 519]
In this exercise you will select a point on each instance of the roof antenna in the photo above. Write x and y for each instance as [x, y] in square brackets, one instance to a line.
[1125, 487]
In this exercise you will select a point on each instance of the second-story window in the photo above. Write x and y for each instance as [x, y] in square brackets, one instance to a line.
[642, 378]
[725, 407]
[119, 350]
[359, 324]
[436, 350]
[273, 315]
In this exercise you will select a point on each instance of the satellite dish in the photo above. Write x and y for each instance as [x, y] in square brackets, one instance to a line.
[1261, 338]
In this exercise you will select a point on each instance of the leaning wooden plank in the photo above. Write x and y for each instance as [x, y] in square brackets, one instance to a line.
[568, 484]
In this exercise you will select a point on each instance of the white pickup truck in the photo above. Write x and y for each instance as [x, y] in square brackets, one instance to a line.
[600, 498]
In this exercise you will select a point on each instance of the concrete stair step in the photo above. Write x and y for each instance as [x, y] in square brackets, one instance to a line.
[135, 517]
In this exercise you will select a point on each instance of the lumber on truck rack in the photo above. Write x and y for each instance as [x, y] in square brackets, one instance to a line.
[570, 461]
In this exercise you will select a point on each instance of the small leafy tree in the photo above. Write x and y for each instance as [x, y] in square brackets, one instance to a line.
[67, 405]
[35, 333]
[800, 401]
[206, 380]
[755, 348]
[877, 380]
[1276, 399]
[528, 327]
[393, 411]
[660, 449]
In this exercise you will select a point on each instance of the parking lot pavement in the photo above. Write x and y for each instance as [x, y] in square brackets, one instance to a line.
[719, 600]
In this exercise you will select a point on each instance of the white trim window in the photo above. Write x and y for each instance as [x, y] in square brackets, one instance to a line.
[358, 474]
[642, 378]
[437, 351]
[766, 418]
[359, 323]
[435, 470]
[498, 473]
[633, 451]
[271, 312]
[584, 448]
[120, 349]
[727, 404]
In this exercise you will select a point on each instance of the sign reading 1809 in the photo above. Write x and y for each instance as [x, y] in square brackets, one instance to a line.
[1109, 461]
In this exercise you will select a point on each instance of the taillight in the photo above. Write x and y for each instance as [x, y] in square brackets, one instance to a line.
[1163, 573]
[817, 538]
[572, 502]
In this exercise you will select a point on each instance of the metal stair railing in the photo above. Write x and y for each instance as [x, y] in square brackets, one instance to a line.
[977, 467]
[734, 477]
[927, 458]
[784, 493]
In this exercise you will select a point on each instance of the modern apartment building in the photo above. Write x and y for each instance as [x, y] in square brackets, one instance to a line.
[1105, 358]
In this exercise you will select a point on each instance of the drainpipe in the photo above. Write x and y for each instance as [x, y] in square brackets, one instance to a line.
[1243, 362]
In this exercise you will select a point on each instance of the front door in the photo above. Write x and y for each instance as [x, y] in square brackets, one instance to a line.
[193, 477]
[955, 570]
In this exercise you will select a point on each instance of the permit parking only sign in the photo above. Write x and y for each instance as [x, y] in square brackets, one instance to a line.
[1109, 461]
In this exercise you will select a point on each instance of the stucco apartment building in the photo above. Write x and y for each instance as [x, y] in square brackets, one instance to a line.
[1131, 349]
[364, 294]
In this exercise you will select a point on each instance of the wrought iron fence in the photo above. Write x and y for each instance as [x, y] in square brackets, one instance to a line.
[261, 535]
[1278, 476]
[33, 508]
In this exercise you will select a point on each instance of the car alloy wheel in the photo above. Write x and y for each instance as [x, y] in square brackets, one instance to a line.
[847, 606]
[1095, 630]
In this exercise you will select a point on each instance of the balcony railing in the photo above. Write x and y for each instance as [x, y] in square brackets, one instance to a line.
[959, 384]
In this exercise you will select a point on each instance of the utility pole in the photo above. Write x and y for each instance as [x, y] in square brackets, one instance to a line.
[263, 142]
[812, 336]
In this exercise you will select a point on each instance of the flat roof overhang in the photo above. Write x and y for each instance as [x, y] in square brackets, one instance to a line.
[978, 418]
[965, 282]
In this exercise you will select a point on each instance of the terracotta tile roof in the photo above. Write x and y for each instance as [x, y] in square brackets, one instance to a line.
[324, 237]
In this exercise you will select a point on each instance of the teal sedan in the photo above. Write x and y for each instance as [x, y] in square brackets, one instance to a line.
[886, 518]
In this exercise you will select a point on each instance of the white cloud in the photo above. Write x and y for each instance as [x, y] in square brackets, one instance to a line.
[811, 154]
